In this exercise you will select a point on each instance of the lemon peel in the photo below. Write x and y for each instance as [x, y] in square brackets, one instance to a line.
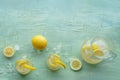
[61, 63]
[29, 67]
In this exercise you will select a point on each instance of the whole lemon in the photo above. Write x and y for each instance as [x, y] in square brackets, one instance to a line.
[39, 42]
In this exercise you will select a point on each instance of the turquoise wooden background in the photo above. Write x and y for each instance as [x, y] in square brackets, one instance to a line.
[65, 24]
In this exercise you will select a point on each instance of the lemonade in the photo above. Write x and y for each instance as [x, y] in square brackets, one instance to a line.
[24, 67]
[95, 50]
[88, 55]
[54, 62]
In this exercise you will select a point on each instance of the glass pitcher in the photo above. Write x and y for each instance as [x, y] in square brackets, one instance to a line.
[96, 50]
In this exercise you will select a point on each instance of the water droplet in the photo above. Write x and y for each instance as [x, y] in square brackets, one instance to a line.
[17, 47]
[24, 57]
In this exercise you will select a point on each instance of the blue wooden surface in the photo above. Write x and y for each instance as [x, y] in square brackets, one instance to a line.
[65, 23]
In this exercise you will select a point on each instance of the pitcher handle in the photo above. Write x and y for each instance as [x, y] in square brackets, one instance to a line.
[112, 56]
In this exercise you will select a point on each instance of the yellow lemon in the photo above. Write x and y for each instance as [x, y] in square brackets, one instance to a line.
[75, 64]
[9, 51]
[39, 42]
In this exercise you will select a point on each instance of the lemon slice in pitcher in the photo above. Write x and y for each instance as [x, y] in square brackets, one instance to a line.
[97, 50]
[75, 64]
[8, 51]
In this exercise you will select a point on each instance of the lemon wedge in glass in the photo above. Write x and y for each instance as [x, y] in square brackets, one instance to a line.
[8, 51]
[24, 67]
[54, 62]
[75, 64]
[29, 67]
[60, 63]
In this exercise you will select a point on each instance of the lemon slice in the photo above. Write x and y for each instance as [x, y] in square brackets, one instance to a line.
[9, 51]
[29, 67]
[95, 47]
[97, 50]
[75, 64]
